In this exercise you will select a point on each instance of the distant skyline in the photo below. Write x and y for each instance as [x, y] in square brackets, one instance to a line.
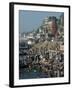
[29, 20]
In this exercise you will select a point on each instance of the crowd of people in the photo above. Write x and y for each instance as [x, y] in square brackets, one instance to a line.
[50, 62]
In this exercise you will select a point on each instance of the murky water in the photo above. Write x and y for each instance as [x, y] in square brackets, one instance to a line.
[29, 74]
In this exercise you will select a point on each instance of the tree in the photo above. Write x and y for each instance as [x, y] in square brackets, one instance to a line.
[37, 31]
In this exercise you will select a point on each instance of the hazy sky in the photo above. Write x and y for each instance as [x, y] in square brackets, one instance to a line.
[29, 20]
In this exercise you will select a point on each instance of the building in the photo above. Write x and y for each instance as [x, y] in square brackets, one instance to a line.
[30, 41]
[61, 47]
[50, 25]
[45, 25]
[62, 19]
[30, 35]
[38, 36]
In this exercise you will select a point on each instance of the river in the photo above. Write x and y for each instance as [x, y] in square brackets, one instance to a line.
[30, 74]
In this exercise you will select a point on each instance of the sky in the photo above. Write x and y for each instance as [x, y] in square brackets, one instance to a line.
[29, 20]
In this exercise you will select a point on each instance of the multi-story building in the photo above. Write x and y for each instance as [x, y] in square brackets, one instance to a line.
[45, 25]
[50, 25]
[62, 19]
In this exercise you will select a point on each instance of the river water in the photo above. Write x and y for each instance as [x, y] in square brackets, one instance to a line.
[30, 74]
